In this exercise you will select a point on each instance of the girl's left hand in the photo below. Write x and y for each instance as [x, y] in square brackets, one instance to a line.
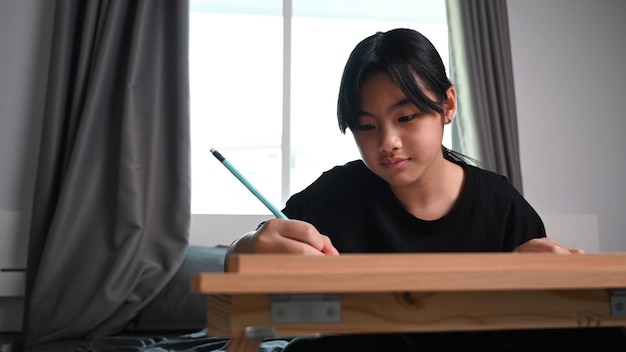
[546, 245]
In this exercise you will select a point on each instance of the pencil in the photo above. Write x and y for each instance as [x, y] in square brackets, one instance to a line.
[279, 214]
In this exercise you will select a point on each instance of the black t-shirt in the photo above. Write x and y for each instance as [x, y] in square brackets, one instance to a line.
[360, 214]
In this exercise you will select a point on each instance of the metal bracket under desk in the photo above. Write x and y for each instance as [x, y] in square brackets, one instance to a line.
[316, 308]
[305, 308]
[618, 302]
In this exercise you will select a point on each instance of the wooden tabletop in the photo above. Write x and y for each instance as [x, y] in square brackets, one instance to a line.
[290, 273]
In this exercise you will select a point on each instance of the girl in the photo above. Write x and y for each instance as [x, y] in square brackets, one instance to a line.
[408, 193]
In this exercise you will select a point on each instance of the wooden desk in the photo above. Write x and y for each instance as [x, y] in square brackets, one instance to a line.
[290, 295]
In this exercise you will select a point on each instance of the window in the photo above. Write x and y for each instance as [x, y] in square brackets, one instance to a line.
[269, 104]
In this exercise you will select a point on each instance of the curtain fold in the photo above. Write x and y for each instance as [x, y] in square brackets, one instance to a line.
[482, 71]
[111, 212]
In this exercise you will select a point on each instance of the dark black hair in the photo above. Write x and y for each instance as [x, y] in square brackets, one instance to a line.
[410, 59]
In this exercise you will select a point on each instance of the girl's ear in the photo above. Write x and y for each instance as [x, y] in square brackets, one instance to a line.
[449, 107]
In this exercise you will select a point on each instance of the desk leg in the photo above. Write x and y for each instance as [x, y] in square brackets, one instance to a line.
[242, 344]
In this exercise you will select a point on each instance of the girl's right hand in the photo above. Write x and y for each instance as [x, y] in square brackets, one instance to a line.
[290, 236]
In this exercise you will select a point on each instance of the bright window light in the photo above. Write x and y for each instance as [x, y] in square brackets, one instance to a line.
[238, 95]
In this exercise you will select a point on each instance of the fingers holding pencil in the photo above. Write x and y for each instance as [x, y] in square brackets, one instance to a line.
[292, 236]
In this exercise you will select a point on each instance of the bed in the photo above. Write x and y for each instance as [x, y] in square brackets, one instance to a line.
[174, 321]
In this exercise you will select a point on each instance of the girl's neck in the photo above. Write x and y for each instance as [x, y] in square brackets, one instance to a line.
[435, 195]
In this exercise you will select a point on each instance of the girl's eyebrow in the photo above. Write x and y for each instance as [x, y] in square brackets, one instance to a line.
[399, 104]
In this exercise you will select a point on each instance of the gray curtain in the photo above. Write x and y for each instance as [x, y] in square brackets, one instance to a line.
[111, 210]
[482, 71]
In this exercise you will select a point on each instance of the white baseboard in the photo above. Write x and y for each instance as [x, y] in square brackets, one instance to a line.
[11, 314]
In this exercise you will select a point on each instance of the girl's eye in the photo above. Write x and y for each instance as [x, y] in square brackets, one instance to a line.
[366, 127]
[407, 118]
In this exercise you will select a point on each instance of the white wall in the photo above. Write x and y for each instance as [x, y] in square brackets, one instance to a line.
[568, 58]
[25, 28]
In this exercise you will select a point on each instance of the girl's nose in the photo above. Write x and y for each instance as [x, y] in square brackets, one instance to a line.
[389, 140]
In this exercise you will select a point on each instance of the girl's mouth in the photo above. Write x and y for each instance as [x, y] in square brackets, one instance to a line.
[394, 163]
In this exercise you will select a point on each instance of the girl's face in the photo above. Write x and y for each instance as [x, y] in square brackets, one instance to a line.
[397, 141]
